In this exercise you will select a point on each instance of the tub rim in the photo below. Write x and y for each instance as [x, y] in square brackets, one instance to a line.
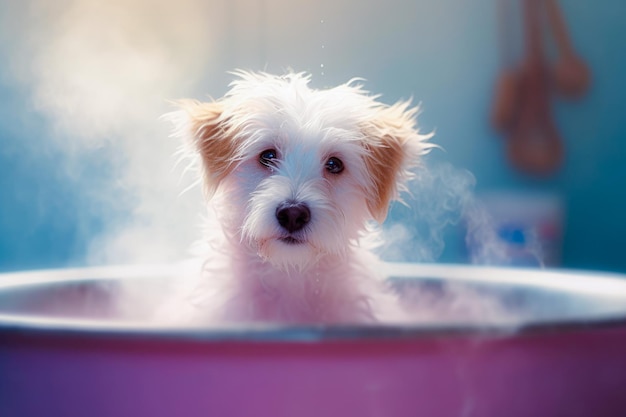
[604, 283]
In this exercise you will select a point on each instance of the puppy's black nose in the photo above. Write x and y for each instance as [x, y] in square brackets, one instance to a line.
[293, 216]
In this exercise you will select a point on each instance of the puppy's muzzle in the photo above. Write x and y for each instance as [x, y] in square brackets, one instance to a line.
[293, 216]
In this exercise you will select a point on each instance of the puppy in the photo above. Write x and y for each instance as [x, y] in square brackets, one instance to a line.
[298, 180]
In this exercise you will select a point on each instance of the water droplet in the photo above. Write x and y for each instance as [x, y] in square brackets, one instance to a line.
[321, 65]
[322, 21]
[323, 46]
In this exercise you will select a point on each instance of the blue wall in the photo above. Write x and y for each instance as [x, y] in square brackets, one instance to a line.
[442, 53]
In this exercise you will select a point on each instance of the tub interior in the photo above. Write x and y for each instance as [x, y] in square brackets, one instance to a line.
[439, 297]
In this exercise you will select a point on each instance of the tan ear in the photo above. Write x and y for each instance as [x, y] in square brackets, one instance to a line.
[384, 159]
[211, 137]
[393, 146]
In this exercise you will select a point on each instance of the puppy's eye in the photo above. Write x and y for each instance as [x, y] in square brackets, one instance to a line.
[268, 158]
[334, 165]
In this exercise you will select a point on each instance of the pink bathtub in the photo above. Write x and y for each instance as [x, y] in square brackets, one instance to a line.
[560, 350]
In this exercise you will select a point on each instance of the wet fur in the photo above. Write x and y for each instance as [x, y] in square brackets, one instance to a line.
[330, 275]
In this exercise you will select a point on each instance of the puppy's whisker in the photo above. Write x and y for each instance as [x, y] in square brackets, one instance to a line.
[190, 187]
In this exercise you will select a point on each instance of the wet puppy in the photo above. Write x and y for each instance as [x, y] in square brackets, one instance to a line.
[298, 179]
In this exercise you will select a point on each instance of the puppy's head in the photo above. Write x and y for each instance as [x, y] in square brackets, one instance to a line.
[299, 172]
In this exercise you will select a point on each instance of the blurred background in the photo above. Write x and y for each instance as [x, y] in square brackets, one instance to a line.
[87, 172]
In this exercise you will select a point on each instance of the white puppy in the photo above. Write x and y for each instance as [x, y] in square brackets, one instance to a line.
[297, 178]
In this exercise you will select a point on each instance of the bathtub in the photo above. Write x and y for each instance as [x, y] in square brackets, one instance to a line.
[540, 343]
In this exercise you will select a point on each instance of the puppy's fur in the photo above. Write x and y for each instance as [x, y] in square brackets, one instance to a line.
[297, 178]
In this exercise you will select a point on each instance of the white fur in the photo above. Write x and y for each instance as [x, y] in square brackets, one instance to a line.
[330, 276]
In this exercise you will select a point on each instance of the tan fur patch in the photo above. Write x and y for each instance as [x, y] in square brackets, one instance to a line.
[213, 139]
[389, 154]
[383, 161]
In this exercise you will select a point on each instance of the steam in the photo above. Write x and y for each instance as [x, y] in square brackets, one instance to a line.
[440, 198]
[101, 73]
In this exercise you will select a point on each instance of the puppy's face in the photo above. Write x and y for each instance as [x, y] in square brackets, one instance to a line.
[299, 172]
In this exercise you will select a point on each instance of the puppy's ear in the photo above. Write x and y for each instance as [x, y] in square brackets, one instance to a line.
[393, 146]
[207, 133]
